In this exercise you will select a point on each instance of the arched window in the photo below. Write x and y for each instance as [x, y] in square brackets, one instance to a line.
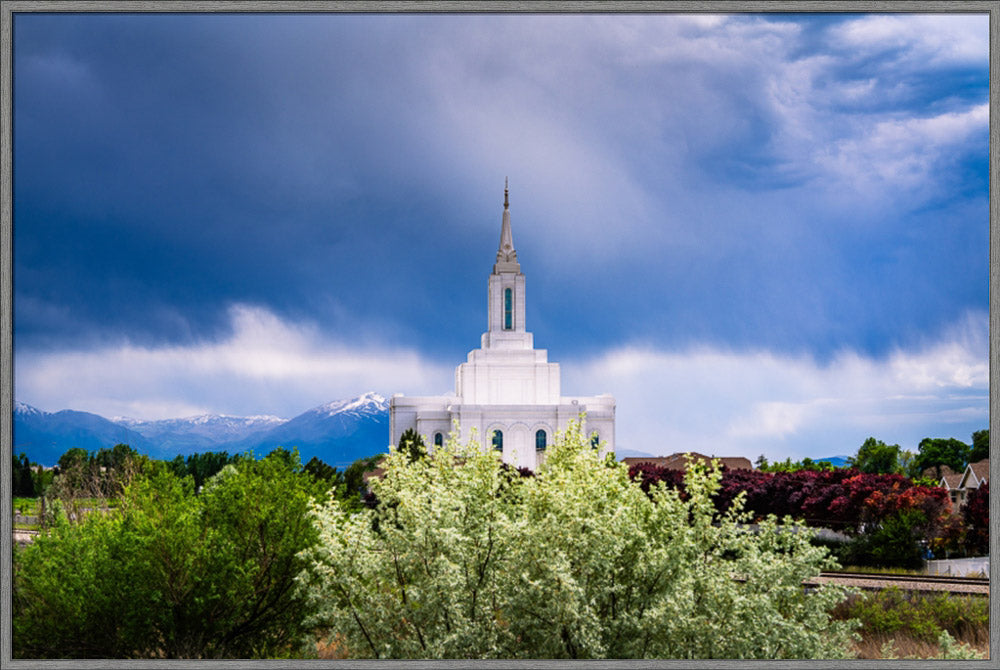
[498, 440]
[595, 441]
[540, 440]
[438, 439]
[508, 309]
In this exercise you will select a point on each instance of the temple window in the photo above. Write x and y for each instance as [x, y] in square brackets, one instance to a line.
[508, 309]
[540, 440]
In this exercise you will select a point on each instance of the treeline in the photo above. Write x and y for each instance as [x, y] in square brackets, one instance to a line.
[101, 473]
[933, 458]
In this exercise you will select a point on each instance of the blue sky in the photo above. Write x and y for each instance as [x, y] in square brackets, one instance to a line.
[761, 233]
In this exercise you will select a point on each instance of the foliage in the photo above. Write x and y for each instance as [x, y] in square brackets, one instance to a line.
[354, 475]
[788, 465]
[980, 446]
[321, 471]
[172, 573]
[896, 541]
[88, 481]
[876, 457]
[921, 616]
[874, 508]
[976, 517]
[201, 466]
[935, 452]
[412, 443]
[464, 558]
[22, 483]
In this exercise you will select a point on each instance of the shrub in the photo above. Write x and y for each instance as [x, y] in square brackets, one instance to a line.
[171, 573]
[464, 558]
[921, 616]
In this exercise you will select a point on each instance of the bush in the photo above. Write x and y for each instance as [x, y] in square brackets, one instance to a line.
[893, 543]
[921, 616]
[170, 573]
[464, 558]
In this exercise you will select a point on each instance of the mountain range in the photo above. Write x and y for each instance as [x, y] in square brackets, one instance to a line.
[338, 432]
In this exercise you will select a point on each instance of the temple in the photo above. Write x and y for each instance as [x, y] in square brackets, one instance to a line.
[507, 391]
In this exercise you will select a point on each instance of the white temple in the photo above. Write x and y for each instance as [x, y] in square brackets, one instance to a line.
[507, 391]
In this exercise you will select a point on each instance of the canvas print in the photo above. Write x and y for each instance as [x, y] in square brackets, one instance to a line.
[488, 335]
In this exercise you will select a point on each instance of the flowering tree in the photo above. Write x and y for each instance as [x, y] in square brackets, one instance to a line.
[464, 558]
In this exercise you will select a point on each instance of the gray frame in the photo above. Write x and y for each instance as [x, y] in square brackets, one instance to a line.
[8, 9]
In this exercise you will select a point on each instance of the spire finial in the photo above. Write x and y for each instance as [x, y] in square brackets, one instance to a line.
[506, 204]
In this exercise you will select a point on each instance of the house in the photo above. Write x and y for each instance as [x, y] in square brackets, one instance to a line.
[958, 485]
[678, 461]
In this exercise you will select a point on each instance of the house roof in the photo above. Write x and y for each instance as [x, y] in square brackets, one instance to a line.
[951, 481]
[678, 461]
[976, 474]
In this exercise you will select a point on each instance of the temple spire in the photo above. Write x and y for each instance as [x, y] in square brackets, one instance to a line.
[506, 254]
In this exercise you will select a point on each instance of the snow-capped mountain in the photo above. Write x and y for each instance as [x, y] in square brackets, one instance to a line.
[337, 432]
[202, 432]
[45, 436]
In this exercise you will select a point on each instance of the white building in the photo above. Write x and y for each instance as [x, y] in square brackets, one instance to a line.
[507, 391]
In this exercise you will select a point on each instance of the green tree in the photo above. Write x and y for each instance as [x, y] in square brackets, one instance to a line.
[935, 452]
[464, 558]
[172, 573]
[22, 483]
[322, 471]
[75, 457]
[876, 457]
[412, 443]
[980, 445]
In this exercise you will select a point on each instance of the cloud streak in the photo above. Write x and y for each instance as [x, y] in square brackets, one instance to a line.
[702, 399]
[748, 403]
[266, 366]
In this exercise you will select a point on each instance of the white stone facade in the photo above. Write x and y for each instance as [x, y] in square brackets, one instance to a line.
[506, 387]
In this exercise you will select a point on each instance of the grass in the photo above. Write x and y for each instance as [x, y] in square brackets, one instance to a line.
[913, 622]
[27, 506]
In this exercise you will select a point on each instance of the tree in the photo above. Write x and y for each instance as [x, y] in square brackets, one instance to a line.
[412, 443]
[22, 483]
[935, 452]
[876, 457]
[322, 471]
[980, 445]
[173, 573]
[976, 517]
[464, 558]
[73, 457]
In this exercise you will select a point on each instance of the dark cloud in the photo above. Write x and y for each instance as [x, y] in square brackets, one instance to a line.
[666, 179]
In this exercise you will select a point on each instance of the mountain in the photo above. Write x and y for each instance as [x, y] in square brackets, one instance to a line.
[835, 461]
[337, 432]
[45, 436]
[199, 433]
[630, 453]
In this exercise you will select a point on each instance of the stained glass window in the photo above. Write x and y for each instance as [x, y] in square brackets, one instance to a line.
[540, 440]
[508, 309]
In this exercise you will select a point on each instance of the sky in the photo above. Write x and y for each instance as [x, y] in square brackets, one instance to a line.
[764, 234]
